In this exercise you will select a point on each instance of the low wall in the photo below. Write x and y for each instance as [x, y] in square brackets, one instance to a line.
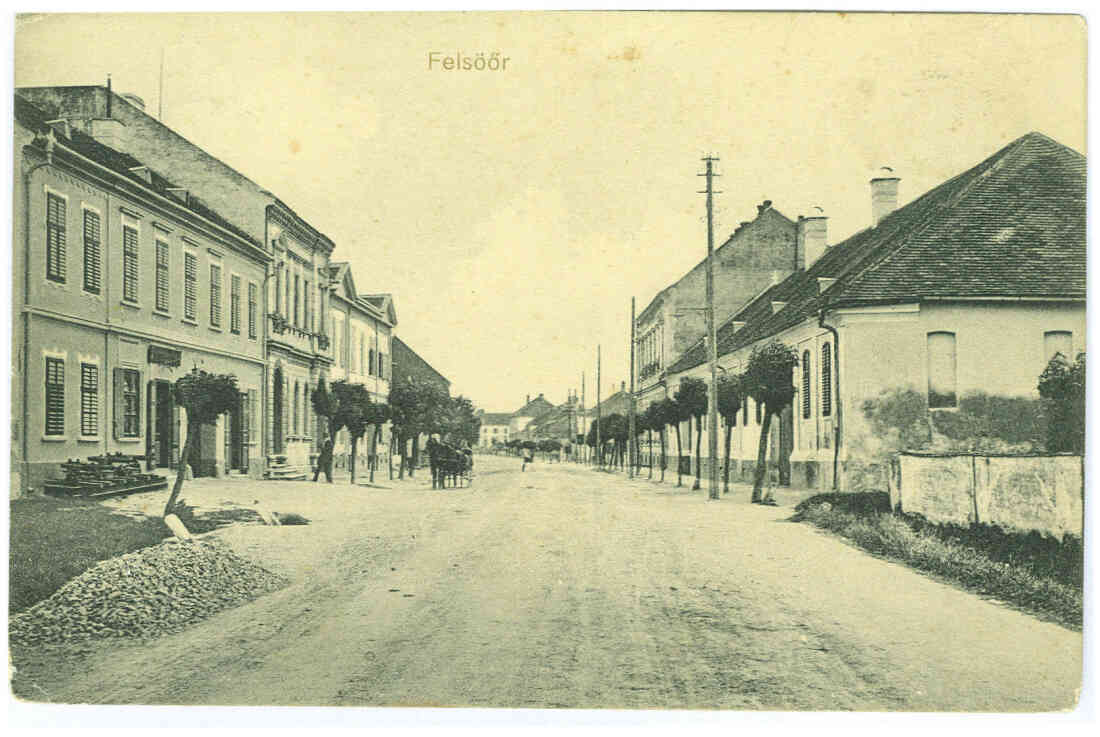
[1016, 493]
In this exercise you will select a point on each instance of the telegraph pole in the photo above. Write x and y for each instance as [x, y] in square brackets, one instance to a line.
[584, 422]
[599, 429]
[712, 342]
[632, 448]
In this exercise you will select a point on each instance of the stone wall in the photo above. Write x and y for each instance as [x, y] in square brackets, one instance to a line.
[1015, 493]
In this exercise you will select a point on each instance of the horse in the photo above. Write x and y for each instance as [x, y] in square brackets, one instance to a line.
[449, 463]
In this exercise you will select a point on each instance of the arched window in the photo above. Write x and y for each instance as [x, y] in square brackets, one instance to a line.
[805, 385]
[826, 380]
[941, 370]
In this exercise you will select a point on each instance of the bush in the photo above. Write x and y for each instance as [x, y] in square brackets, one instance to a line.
[1031, 572]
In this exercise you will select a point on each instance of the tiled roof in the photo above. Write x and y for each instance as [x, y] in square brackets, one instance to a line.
[618, 402]
[122, 164]
[495, 418]
[1013, 226]
[535, 408]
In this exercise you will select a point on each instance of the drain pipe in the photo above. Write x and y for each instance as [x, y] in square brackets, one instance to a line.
[25, 481]
[837, 434]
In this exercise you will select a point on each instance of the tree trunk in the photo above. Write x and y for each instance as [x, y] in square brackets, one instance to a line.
[373, 459]
[664, 458]
[726, 470]
[649, 452]
[698, 458]
[415, 455]
[403, 441]
[354, 444]
[761, 457]
[181, 467]
[679, 452]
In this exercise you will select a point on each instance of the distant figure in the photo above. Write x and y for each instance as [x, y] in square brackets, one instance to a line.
[528, 457]
[324, 461]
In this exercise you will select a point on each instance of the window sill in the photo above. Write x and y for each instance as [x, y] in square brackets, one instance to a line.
[192, 323]
[216, 329]
[162, 313]
[55, 439]
[131, 305]
[92, 295]
[129, 440]
[235, 332]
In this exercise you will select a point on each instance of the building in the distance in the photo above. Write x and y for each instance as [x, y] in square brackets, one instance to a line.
[495, 427]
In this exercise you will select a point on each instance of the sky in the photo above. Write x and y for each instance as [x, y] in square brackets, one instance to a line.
[513, 214]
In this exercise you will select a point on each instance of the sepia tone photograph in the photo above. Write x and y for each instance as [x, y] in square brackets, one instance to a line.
[549, 360]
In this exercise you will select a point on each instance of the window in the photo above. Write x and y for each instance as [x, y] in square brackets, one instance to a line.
[307, 304]
[216, 295]
[130, 404]
[381, 365]
[92, 277]
[89, 399]
[941, 370]
[252, 308]
[235, 304]
[826, 380]
[362, 352]
[190, 284]
[55, 237]
[129, 264]
[805, 385]
[162, 275]
[296, 287]
[759, 406]
[1058, 341]
[745, 413]
[372, 369]
[55, 396]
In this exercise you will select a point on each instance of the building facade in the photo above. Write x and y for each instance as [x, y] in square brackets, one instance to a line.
[362, 334]
[123, 282]
[495, 428]
[758, 254]
[957, 299]
[294, 331]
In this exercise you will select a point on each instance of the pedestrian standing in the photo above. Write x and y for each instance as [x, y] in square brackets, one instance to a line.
[324, 461]
[528, 457]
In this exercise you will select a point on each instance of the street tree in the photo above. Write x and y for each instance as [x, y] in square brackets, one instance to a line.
[353, 413]
[1062, 394]
[204, 396]
[654, 420]
[378, 416]
[729, 404]
[768, 379]
[692, 398]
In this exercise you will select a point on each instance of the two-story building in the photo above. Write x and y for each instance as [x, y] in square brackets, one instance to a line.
[494, 429]
[124, 280]
[758, 254]
[362, 332]
[294, 310]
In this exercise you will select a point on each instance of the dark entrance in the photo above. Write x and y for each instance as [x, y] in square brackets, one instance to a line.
[236, 435]
[162, 449]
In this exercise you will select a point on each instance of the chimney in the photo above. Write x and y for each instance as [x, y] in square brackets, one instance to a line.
[884, 194]
[811, 239]
[622, 386]
[763, 207]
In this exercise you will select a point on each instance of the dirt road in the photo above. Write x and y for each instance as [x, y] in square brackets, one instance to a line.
[564, 587]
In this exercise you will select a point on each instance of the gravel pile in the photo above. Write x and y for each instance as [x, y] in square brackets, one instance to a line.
[145, 593]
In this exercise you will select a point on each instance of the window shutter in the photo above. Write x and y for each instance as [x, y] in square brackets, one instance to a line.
[55, 396]
[190, 284]
[129, 264]
[55, 238]
[805, 385]
[151, 436]
[254, 418]
[175, 435]
[119, 403]
[92, 276]
[826, 380]
[162, 276]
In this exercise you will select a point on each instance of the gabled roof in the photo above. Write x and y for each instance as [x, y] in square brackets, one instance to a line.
[535, 408]
[383, 303]
[34, 119]
[1011, 227]
[618, 402]
[407, 363]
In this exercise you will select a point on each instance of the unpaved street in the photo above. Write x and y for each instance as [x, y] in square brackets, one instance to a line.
[564, 587]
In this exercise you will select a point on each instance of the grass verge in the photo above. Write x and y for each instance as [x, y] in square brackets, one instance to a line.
[55, 540]
[1042, 576]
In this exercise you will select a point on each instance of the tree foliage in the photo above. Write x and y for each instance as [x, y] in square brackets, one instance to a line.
[204, 396]
[1062, 390]
[768, 379]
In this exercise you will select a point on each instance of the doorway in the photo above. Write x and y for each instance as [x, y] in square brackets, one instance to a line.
[236, 435]
[162, 449]
[277, 412]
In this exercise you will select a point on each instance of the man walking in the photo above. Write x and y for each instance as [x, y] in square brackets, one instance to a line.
[324, 461]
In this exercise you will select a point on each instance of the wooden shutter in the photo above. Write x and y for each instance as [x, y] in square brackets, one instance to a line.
[55, 238]
[91, 252]
[805, 384]
[175, 435]
[118, 402]
[826, 380]
[129, 264]
[151, 436]
[227, 433]
[55, 396]
[190, 284]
